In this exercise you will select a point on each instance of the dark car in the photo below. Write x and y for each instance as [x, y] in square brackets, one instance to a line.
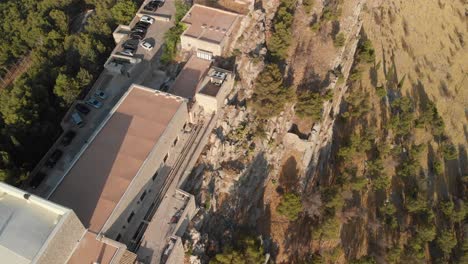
[54, 157]
[68, 137]
[160, 2]
[82, 108]
[138, 35]
[142, 24]
[37, 180]
[139, 29]
[151, 6]
[131, 44]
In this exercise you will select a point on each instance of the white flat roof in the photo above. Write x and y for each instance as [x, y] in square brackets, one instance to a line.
[25, 224]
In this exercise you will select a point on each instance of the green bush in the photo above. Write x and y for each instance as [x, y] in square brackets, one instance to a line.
[123, 11]
[449, 151]
[446, 241]
[366, 52]
[246, 250]
[270, 96]
[280, 40]
[290, 206]
[172, 36]
[438, 167]
[310, 104]
[339, 40]
[308, 4]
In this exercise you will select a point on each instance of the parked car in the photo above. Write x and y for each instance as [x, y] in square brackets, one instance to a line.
[138, 35]
[128, 52]
[160, 2]
[37, 180]
[146, 45]
[68, 137]
[151, 6]
[131, 44]
[147, 19]
[143, 24]
[82, 109]
[54, 157]
[94, 103]
[101, 94]
[77, 120]
[139, 29]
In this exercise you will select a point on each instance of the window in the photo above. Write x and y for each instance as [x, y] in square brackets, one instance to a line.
[130, 217]
[140, 227]
[155, 175]
[118, 237]
[143, 196]
[175, 141]
[165, 158]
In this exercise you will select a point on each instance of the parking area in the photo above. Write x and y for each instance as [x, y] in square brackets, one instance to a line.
[44, 179]
[163, 21]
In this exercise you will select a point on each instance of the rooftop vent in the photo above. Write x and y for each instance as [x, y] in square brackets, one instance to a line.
[218, 78]
[204, 25]
[26, 196]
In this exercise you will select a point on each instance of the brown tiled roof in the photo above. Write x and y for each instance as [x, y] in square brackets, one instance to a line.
[103, 172]
[209, 24]
[186, 83]
[90, 250]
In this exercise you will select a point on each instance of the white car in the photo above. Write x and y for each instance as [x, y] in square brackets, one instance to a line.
[147, 19]
[146, 45]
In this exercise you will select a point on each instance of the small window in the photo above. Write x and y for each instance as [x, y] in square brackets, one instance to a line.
[140, 227]
[165, 158]
[175, 141]
[130, 217]
[155, 175]
[119, 236]
[143, 196]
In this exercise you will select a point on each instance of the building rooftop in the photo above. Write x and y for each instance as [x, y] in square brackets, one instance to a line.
[26, 223]
[187, 81]
[101, 174]
[92, 250]
[208, 24]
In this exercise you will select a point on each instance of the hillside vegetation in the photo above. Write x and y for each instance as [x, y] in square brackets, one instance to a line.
[64, 63]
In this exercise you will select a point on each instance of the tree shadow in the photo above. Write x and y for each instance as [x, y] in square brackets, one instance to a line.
[243, 208]
[288, 178]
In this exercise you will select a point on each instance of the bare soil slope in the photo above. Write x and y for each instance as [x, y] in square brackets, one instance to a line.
[426, 40]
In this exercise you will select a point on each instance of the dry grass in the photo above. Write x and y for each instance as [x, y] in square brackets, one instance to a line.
[429, 30]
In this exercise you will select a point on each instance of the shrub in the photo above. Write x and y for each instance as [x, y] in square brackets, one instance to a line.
[310, 104]
[282, 34]
[123, 11]
[327, 229]
[438, 167]
[308, 4]
[270, 96]
[449, 151]
[290, 206]
[339, 40]
[366, 52]
[245, 250]
[446, 241]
